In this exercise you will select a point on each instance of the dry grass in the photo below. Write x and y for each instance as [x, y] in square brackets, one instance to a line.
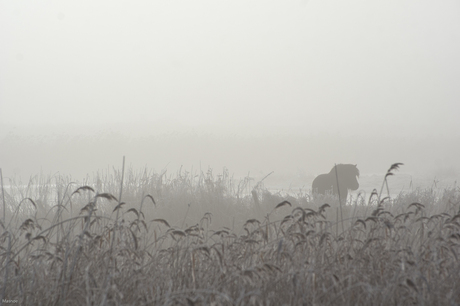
[202, 240]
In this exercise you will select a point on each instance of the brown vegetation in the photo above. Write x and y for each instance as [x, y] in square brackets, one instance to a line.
[201, 240]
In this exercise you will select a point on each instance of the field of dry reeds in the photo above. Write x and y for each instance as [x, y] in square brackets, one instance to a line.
[146, 238]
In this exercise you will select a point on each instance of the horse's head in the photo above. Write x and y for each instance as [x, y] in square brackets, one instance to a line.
[348, 175]
[352, 177]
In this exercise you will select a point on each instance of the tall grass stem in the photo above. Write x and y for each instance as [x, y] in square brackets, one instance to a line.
[340, 200]
[3, 196]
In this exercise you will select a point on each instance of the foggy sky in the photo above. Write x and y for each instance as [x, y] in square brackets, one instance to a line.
[347, 68]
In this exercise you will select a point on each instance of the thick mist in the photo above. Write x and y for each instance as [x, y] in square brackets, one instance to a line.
[292, 159]
[291, 87]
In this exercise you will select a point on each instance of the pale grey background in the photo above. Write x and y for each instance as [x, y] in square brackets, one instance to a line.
[256, 86]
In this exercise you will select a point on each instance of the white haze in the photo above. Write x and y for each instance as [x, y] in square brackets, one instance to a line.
[254, 86]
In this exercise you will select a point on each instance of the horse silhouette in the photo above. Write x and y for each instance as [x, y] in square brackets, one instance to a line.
[347, 177]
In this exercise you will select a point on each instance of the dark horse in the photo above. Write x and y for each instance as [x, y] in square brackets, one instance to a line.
[347, 178]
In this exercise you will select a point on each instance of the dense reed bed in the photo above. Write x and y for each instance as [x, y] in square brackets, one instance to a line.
[146, 238]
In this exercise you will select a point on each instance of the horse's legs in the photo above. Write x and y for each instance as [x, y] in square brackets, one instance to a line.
[342, 192]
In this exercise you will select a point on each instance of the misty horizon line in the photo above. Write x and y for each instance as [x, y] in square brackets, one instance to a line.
[136, 130]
